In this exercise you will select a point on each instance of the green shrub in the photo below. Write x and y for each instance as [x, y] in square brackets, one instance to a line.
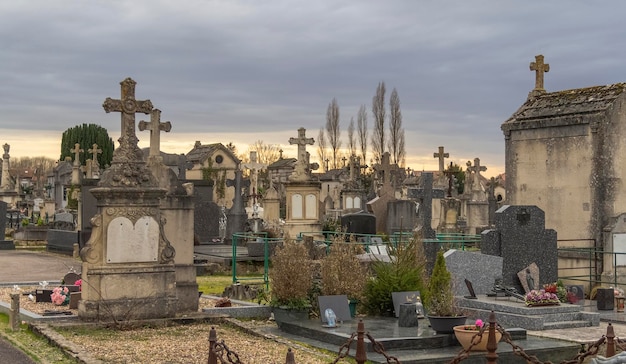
[405, 272]
[440, 299]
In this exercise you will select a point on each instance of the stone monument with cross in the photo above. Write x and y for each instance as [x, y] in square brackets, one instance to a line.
[177, 208]
[128, 263]
[302, 193]
[450, 206]
[95, 165]
[441, 156]
[254, 167]
[477, 207]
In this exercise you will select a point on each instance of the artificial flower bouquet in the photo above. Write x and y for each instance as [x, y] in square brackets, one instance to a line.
[60, 296]
[541, 298]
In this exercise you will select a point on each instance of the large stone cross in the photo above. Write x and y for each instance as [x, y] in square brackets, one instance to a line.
[385, 168]
[128, 106]
[155, 126]
[539, 67]
[476, 169]
[94, 152]
[441, 155]
[302, 142]
[76, 152]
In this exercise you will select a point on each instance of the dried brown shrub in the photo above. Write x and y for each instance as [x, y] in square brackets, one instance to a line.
[342, 272]
[291, 275]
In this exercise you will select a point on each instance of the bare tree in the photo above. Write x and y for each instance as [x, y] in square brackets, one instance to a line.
[396, 132]
[362, 129]
[322, 150]
[332, 129]
[351, 138]
[265, 153]
[378, 109]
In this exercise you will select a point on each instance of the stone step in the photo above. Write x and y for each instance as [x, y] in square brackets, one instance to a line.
[536, 322]
[565, 324]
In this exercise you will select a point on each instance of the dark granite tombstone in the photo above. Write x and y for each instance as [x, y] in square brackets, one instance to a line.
[339, 305]
[61, 241]
[605, 299]
[520, 238]
[71, 278]
[203, 202]
[401, 216]
[425, 197]
[4, 244]
[237, 216]
[359, 223]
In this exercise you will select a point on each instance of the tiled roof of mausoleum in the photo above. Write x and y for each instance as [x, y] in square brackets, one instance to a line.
[564, 107]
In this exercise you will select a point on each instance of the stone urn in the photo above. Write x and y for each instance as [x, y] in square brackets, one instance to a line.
[465, 333]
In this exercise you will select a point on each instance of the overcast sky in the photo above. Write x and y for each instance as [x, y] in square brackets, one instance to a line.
[240, 71]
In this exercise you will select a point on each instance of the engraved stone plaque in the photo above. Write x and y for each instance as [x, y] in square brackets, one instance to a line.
[128, 243]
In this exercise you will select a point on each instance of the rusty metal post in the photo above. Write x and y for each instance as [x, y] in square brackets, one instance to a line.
[610, 342]
[14, 313]
[492, 345]
[361, 353]
[212, 341]
[291, 359]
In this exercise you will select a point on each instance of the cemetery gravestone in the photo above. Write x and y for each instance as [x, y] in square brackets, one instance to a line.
[4, 244]
[480, 269]
[339, 305]
[520, 238]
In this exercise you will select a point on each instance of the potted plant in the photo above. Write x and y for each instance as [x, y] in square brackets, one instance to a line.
[342, 272]
[443, 313]
[465, 335]
[290, 282]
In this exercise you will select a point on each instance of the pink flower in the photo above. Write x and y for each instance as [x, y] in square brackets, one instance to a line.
[79, 283]
[479, 323]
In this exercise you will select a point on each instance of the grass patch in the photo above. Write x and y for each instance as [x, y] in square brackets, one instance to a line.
[34, 346]
[215, 285]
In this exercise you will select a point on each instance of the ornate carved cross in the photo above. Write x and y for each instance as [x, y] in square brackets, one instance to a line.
[128, 106]
[450, 174]
[441, 155]
[76, 152]
[155, 126]
[94, 153]
[302, 142]
[539, 67]
[476, 169]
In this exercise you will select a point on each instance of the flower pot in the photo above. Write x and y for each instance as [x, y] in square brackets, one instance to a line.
[446, 324]
[464, 336]
[352, 306]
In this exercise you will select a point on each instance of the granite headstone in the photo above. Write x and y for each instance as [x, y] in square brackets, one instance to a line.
[359, 223]
[338, 303]
[520, 238]
[480, 269]
[4, 244]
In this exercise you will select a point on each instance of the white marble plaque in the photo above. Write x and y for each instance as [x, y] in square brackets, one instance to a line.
[349, 203]
[311, 206]
[128, 243]
[296, 206]
[357, 202]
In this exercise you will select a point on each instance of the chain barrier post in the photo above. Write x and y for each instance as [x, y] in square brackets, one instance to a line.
[361, 354]
[212, 341]
[492, 345]
[291, 359]
[610, 343]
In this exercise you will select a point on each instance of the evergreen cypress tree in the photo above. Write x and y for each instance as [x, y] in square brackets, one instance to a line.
[86, 135]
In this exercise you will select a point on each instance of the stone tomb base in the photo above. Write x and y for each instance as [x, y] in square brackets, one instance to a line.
[128, 293]
[418, 345]
[512, 312]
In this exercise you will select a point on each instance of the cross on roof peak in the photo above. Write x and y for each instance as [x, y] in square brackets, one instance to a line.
[539, 67]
